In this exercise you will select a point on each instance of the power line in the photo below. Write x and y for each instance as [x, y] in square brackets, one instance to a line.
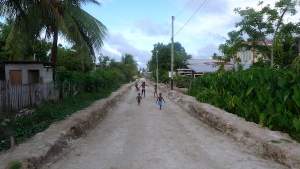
[183, 9]
[190, 18]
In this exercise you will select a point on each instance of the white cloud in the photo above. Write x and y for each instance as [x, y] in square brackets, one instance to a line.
[210, 26]
[201, 37]
[151, 28]
[117, 45]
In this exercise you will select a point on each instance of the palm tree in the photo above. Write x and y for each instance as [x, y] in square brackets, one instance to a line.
[56, 17]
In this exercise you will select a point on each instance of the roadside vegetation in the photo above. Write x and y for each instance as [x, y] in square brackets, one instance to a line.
[30, 32]
[163, 54]
[269, 97]
[15, 165]
[29, 20]
[86, 87]
[269, 92]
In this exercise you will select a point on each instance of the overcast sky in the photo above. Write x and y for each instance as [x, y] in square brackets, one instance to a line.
[135, 25]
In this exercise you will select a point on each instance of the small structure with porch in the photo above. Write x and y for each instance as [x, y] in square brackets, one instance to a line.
[199, 67]
[26, 72]
[25, 84]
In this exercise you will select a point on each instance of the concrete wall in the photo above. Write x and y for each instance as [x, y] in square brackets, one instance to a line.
[46, 75]
[245, 56]
[248, 57]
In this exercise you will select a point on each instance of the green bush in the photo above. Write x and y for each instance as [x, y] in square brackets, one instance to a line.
[269, 97]
[6, 128]
[15, 165]
[182, 81]
[27, 126]
[90, 86]
[91, 81]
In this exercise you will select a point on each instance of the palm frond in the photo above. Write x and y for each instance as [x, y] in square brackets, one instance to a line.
[84, 28]
[31, 17]
[93, 29]
[79, 3]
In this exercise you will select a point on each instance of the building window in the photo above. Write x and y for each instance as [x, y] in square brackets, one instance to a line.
[15, 77]
[2, 73]
[33, 76]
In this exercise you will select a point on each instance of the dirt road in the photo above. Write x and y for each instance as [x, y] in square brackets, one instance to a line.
[143, 137]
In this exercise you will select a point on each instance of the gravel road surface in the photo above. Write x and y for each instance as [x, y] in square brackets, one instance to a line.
[143, 137]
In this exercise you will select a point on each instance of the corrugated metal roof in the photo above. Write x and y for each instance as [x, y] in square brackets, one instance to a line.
[201, 61]
[205, 65]
[203, 68]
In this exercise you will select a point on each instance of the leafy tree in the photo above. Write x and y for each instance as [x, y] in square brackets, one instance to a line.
[282, 8]
[65, 17]
[128, 59]
[215, 56]
[4, 31]
[41, 49]
[296, 65]
[254, 25]
[104, 61]
[129, 65]
[231, 46]
[164, 58]
[38, 49]
[259, 25]
[286, 45]
[72, 59]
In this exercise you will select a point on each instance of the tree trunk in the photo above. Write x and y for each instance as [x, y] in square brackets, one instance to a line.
[12, 142]
[272, 55]
[253, 55]
[54, 47]
[54, 52]
[279, 23]
[82, 64]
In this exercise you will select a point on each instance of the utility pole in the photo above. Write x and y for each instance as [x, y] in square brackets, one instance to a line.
[172, 54]
[156, 68]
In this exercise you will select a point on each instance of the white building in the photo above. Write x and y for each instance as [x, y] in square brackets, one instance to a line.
[26, 72]
[247, 57]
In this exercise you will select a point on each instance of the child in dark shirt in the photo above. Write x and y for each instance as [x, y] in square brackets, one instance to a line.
[160, 100]
[139, 98]
[143, 89]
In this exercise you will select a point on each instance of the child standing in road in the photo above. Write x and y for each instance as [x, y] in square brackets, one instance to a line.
[139, 98]
[160, 100]
[137, 86]
[144, 89]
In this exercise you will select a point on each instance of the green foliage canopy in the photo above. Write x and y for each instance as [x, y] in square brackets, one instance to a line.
[260, 26]
[38, 48]
[64, 17]
[164, 59]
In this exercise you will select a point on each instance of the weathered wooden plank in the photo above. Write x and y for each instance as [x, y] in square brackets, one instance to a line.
[16, 97]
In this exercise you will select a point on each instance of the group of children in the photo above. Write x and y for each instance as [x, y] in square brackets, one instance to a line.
[159, 99]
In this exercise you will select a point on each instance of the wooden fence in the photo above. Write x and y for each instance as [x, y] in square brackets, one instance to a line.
[17, 97]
